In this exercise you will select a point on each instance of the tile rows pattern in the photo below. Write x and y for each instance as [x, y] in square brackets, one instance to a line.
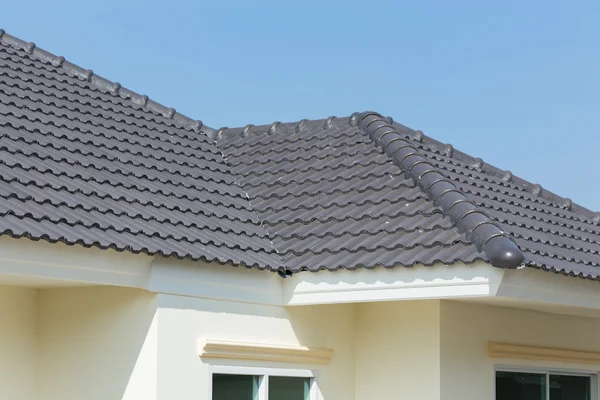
[79, 164]
[330, 198]
[553, 233]
[84, 161]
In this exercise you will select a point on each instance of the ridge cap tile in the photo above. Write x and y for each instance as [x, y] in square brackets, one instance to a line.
[470, 161]
[289, 146]
[500, 248]
[301, 198]
[102, 83]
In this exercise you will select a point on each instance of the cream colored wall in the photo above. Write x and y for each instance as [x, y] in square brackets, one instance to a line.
[183, 322]
[398, 350]
[18, 313]
[96, 343]
[126, 344]
[468, 373]
[438, 349]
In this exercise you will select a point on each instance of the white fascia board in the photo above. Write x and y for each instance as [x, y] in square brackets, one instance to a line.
[36, 260]
[380, 284]
[93, 266]
[528, 284]
[213, 281]
[60, 262]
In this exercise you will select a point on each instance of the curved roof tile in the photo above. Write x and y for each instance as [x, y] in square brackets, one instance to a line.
[88, 162]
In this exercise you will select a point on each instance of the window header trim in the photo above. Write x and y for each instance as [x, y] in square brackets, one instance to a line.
[525, 352]
[265, 352]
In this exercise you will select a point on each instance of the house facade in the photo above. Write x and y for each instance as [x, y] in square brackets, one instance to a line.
[75, 324]
[144, 255]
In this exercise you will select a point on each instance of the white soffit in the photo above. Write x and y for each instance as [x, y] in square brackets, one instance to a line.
[30, 262]
[214, 281]
[381, 284]
[41, 264]
[543, 287]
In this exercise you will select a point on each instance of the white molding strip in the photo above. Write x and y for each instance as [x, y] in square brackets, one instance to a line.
[525, 352]
[219, 282]
[265, 352]
[530, 285]
[30, 263]
[24, 258]
[381, 284]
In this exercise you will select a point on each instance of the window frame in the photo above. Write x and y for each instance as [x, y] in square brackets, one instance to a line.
[594, 376]
[263, 374]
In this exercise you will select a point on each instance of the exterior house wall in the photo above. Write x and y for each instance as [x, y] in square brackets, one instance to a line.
[398, 350]
[96, 343]
[184, 322]
[18, 314]
[467, 371]
[127, 344]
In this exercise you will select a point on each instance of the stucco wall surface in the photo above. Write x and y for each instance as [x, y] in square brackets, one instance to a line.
[468, 372]
[398, 350]
[96, 343]
[127, 344]
[18, 347]
[438, 349]
[185, 322]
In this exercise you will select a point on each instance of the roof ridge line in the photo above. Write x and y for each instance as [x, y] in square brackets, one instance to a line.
[499, 247]
[478, 165]
[102, 83]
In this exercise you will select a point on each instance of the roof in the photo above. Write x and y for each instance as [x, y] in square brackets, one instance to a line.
[367, 191]
[86, 161]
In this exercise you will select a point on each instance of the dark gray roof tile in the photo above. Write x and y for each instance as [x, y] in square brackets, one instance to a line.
[330, 198]
[358, 258]
[395, 223]
[87, 161]
[357, 201]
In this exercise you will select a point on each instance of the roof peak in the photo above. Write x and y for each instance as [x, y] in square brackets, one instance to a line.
[507, 176]
[102, 83]
[474, 163]
[480, 229]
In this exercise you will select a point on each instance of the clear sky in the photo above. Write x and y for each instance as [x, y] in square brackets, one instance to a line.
[516, 83]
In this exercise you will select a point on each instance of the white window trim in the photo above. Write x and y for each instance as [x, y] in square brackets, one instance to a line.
[594, 376]
[264, 373]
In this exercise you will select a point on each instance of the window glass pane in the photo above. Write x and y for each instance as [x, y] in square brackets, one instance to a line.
[564, 387]
[285, 388]
[520, 386]
[234, 387]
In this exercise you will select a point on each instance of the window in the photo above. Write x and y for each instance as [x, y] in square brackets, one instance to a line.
[241, 383]
[289, 388]
[235, 387]
[516, 385]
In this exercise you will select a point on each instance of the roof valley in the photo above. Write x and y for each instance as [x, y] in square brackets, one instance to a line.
[88, 162]
[281, 269]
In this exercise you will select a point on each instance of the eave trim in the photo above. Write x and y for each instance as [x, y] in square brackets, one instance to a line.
[556, 354]
[217, 349]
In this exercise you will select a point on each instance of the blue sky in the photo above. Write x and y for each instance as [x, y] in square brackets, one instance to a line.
[516, 83]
